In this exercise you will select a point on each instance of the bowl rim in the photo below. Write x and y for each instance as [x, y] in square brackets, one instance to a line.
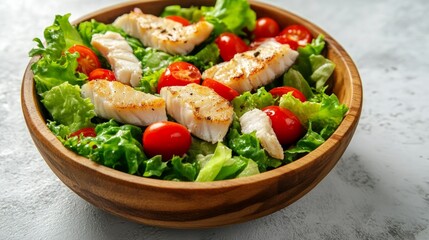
[36, 122]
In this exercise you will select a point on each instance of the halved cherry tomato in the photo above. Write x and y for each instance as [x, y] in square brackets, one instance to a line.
[86, 132]
[297, 33]
[266, 27]
[101, 73]
[179, 74]
[221, 89]
[179, 19]
[284, 39]
[279, 91]
[230, 44]
[166, 139]
[286, 125]
[87, 61]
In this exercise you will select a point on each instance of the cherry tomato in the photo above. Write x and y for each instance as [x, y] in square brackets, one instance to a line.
[86, 132]
[166, 139]
[297, 33]
[283, 39]
[179, 74]
[286, 125]
[101, 73]
[179, 19]
[87, 61]
[266, 27]
[221, 89]
[230, 44]
[279, 91]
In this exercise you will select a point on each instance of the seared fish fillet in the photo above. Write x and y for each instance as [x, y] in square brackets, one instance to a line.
[117, 51]
[164, 34]
[114, 100]
[256, 120]
[206, 114]
[255, 68]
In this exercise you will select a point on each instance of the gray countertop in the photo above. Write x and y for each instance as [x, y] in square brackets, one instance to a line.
[378, 190]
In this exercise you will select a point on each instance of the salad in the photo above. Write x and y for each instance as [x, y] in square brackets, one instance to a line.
[301, 114]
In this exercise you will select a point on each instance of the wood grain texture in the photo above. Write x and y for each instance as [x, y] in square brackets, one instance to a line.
[198, 205]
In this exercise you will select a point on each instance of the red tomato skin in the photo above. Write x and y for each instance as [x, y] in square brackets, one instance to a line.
[86, 132]
[221, 89]
[279, 91]
[179, 74]
[166, 139]
[179, 19]
[230, 44]
[286, 125]
[87, 60]
[283, 39]
[101, 73]
[266, 27]
[297, 33]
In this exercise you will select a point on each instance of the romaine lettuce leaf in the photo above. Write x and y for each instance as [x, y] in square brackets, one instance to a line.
[293, 78]
[306, 144]
[322, 69]
[232, 167]
[211, 169]
[248, 101]
[153, 167]
[325, 115]
[67, 107]
[50, 72]
[60, 36]
[303, 64]
[223, 15]
[181, 170]
[114, 146]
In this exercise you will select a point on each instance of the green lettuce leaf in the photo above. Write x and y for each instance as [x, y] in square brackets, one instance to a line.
[248, 101]
[50, 72]
[181, 170]
[235, 15]
[114, 146]
[60, 36]
[211, 169]
[325, 115]
[322, 69]
[250, 169]
[293, 78]
[223, 15]
[232, 167]
[67, 107]
[153, 167]
[306, 144]
[303, 64]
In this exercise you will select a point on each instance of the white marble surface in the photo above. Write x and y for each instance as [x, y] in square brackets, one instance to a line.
[378, 190]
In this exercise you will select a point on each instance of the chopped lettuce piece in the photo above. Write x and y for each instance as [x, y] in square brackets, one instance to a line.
[60, 36]
[293, 78]
[232, 167]
[50, 72]
[67, 107]
[306, 144]
[303, 64]
[248, 101]
[153, 167]
[250, 169]
[114, 146]
[223, 15]
[325, 115]
[211, 169]
[322, 69]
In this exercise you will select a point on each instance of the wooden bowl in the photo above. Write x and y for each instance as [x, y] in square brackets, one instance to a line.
[190, 204]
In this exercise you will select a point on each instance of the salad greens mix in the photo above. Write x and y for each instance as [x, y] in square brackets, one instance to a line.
[119, 145]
